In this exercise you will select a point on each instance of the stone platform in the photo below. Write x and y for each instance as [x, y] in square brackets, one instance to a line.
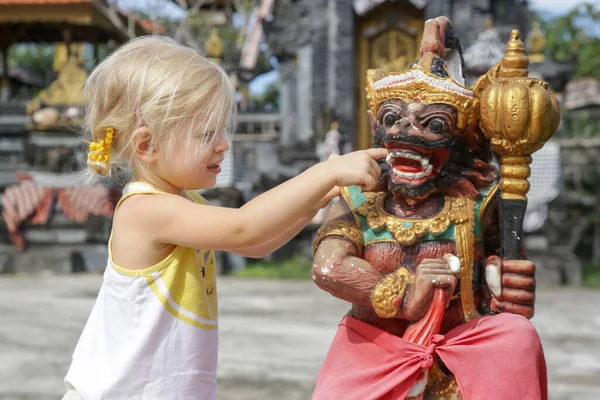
[274, 336]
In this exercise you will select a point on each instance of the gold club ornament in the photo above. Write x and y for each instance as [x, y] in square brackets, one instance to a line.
[518, 115]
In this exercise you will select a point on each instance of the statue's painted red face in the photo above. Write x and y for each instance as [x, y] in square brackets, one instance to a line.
[418, 137]
[428, 153]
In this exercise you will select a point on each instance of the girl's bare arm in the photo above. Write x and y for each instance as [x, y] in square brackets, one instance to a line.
[175, 220]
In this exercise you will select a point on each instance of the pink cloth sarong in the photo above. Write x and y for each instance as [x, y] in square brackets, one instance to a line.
[496, 357]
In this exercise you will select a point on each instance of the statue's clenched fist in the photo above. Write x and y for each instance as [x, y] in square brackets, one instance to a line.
[431, 274]
[511, 284]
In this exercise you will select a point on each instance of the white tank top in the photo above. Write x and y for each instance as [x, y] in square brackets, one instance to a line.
[152, 333]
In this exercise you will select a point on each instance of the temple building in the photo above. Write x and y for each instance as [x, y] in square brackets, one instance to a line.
[324, 48]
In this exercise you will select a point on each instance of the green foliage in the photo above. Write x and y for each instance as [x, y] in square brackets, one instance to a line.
[35, 58]
[568, 38]
[584, 123]
[267, 100]
[591, 275]
[297, 267]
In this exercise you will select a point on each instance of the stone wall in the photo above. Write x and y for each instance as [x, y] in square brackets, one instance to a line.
[469, 16]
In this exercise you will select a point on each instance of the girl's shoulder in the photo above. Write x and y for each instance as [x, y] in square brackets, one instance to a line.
[146, 213]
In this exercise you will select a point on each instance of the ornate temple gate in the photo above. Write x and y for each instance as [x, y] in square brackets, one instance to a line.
[388, 37]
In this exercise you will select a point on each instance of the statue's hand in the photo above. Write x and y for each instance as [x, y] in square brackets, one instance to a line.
[431, 274]
[512, 285]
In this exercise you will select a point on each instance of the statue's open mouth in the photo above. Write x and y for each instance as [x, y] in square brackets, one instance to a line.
[415, 164]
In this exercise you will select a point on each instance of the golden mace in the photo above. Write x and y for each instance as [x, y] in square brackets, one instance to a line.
[518, 116]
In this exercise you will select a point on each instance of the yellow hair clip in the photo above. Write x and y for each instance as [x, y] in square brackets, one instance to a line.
[100, 151]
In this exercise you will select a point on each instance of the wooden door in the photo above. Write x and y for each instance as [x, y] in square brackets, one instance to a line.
[388, 37]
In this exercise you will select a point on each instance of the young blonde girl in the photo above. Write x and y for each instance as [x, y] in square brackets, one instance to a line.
[162, 111]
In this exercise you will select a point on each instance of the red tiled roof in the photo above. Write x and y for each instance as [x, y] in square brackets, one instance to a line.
[148, 25]
[144, 26]
[581, 93]
[14, 2]
[30, 202]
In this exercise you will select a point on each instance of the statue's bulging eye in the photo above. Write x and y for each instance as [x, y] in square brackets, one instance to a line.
[390, 119]
[436, 125]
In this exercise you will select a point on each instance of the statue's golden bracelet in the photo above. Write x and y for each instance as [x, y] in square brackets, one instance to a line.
[389, 288]
[342, 229]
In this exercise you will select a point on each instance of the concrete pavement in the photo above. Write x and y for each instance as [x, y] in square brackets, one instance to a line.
[274, 336]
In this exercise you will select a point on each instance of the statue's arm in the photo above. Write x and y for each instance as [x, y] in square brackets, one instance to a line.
[337, 266]
[513, 290]
[339, 269]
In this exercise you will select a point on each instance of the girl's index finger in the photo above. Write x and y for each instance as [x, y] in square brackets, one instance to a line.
[376, 153]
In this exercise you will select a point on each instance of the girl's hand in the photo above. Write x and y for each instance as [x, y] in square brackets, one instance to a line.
[356, 168]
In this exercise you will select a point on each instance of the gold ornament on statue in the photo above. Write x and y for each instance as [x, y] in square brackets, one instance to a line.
[518, 115]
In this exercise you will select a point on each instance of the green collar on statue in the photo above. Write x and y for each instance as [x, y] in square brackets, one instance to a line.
[408, 231]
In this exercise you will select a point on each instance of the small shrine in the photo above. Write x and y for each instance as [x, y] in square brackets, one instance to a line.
[50, 211]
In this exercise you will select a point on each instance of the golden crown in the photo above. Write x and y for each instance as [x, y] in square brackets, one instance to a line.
[419, 85]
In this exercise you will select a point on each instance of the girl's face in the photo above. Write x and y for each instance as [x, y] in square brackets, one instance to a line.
[187, 168]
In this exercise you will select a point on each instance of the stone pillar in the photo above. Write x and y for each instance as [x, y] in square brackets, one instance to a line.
[305, 98]
[288, 102]
[332, 43]
[322, 57]
[345, 71]
[5, 79]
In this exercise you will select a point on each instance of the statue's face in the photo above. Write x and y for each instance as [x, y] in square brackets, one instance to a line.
[420, 141]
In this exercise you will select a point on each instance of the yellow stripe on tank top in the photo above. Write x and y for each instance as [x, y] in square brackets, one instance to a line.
[187, 288]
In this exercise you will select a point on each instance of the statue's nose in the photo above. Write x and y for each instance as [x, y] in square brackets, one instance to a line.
[405, 125]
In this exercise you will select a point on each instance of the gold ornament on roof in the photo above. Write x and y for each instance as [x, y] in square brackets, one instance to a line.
[536, 44]
[214, 46]
[488, 23]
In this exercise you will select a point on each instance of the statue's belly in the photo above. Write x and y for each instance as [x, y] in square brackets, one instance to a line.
[388, 257]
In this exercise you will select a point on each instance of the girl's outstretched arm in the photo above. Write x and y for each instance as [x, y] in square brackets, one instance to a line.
[175, 220]
[274, 243]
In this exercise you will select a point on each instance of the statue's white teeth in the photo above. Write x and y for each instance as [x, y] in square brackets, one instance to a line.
[389, 158]
[410, 155]
[413, 175]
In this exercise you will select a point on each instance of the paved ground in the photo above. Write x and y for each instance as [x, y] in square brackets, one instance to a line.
[274, 336]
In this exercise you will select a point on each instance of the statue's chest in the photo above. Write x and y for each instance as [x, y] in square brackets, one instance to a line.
[387, 257]
[391, 241]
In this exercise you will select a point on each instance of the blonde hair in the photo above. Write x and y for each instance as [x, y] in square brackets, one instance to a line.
[155, 82]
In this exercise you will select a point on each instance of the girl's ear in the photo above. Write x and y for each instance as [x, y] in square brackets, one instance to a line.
[142, 145]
